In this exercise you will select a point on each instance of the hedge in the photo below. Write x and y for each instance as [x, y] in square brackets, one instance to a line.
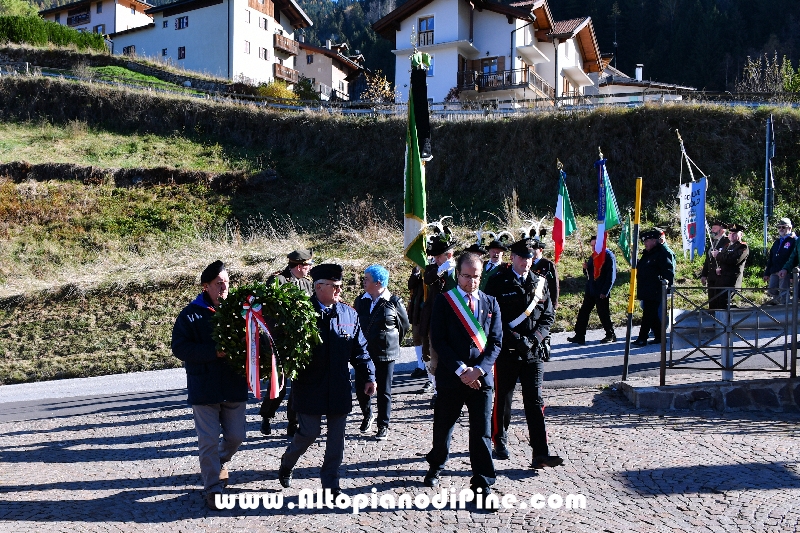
[39, 32]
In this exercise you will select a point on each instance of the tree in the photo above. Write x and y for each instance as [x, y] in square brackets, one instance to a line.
[304, 90]
[18, 8]
[379, 89]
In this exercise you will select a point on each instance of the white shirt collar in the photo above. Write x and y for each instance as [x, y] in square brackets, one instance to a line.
[385, 294]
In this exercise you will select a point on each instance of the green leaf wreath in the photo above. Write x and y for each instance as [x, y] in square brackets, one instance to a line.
[288, 311]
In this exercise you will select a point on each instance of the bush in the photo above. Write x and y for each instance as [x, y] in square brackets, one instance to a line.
[38, 32]
[277, 89]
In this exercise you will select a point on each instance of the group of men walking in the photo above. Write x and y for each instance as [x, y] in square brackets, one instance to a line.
[480, 325]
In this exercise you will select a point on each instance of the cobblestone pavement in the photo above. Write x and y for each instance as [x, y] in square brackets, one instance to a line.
[132, 466]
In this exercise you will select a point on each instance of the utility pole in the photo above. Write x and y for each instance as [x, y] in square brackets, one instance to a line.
[769, 183]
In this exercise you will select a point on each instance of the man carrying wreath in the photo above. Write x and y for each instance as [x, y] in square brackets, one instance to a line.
[217, 394]
[323, 387]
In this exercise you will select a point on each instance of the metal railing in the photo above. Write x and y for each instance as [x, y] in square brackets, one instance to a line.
[505, 79]
[746, 330]
[425, 38]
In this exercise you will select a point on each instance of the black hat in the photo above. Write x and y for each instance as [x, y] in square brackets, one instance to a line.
[329, 271]
[650, 234]
[300, 257]
[524, 247]
[536, 243]
[438, 246]
[212, 271]
[497, 244]
[592, 238]
[737, 228]
[475, 249]
[719, 223]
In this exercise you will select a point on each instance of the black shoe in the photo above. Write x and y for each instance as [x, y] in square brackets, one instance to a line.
[654, 341]
[609, 338]
[542, 461]
[431, 479]
[383, 433]
[501, 453]
[576, 340]
[480, 500]
[291, 429]
[366, 424]
[428, 387]
[433, 402]
[425, 153]
[265, 427]
[419, 373]
[285, 477]
[639, 342]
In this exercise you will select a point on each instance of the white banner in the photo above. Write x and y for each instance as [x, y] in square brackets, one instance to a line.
[693, 217]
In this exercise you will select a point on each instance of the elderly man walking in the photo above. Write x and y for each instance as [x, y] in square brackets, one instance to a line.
[217, 394]
[323, 388]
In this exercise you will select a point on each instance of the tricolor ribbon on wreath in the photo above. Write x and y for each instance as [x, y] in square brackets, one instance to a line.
[254, 321]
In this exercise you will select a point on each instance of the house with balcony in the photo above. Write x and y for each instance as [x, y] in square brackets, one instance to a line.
[100, 16]
[248, 40]
[330, 68]
[483, 50]
[613, 86]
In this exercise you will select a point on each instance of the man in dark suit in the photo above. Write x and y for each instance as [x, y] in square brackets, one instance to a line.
[467, 333]
[717, 298]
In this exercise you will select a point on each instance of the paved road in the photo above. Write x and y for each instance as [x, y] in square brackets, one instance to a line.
[119, 454]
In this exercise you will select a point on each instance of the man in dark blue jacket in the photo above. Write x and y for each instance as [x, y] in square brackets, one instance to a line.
[217, 394]
[596, 294]
[323, 388]
[779, 254]
[467, 333]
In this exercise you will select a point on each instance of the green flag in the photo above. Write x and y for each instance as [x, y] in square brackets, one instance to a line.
[626, 239]
[414, 222]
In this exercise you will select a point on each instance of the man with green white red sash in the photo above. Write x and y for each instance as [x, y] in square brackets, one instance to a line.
[528, 314]
[466, 332]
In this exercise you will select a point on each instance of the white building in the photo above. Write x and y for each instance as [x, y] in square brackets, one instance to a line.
[100, 16]
[329, 69]
[233, 39]
[484, 50]
[613, 86]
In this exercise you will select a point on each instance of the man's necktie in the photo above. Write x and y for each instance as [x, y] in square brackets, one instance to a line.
[471, 304]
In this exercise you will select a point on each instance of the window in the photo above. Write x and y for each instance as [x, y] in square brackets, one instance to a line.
[58, 18]
[166, 23]
[430, 70]
[133, 10]
[99, 7]
[129, 50]
[78, 15]
[261, 2]
[262, 23]
[341, 86]
[181, 52]
[100, 28]
[163, 51]
[247, 16]
[309, 59]
[263, 53]
[425, 31]
[181, 23]
[489, 66]
[247, 47]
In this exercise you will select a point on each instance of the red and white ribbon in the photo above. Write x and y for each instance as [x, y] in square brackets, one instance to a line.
[254, 321]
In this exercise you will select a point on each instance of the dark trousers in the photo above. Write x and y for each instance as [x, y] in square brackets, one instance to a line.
[717, 298]
[310, 427]
[650, 320]
[384, 371]
[270, 406]
[603, 312]
[419, 92]
[445, 415]
[530, 374]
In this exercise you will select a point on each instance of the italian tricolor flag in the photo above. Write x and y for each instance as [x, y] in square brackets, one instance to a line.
[607, 215]
[564, 222]
[414, 221]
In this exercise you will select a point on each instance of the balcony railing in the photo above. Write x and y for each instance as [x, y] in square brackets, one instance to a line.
[506, 79]
[284, 44]
[80, 18]
[285, 73]
[425, 38]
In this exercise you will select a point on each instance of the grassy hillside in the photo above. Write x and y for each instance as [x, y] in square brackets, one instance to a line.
[93, 269]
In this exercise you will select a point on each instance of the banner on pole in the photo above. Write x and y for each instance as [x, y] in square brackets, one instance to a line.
[693, 217]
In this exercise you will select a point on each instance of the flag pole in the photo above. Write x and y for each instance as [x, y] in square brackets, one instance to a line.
[637, 209]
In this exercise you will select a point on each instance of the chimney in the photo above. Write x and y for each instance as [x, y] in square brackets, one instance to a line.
[639, 68]
[328, 44]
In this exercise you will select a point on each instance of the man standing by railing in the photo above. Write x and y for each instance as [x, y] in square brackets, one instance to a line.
[782, 249]
[709, 275]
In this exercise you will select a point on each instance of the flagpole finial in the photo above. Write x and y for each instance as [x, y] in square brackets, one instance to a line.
[679, 135]
[559, 164]
[600, 151]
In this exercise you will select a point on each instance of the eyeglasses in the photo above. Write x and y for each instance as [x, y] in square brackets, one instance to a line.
[473, 278]
[783, 227]
[334, 285]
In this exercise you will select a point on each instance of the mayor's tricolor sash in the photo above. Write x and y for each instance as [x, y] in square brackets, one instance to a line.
[253, 322]
[466, 317]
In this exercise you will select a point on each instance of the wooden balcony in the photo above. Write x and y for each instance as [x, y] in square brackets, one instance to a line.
[289, 75]
[286, 45]
[521, 78]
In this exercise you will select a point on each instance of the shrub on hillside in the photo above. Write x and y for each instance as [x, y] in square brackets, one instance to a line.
[277, 89]
[38, 32]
